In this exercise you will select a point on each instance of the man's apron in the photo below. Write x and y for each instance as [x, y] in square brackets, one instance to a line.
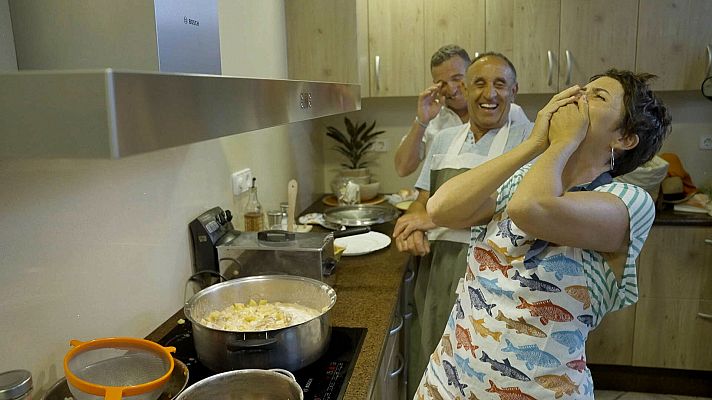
[439, 271]
[520, 321]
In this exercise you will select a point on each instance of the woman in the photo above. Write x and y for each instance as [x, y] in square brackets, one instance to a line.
[560, 246]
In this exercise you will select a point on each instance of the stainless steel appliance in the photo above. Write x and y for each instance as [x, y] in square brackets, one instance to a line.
[108, 79]
[219, 247]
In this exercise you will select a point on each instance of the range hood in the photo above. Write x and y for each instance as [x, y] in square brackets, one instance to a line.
[108, 79]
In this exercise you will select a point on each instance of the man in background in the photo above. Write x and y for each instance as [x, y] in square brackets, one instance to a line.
[490, 85]
[440, 106]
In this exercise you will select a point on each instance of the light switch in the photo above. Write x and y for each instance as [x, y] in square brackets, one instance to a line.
[705, 142]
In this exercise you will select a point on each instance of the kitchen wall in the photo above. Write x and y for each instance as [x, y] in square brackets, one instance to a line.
[97, 248]
[691, 113]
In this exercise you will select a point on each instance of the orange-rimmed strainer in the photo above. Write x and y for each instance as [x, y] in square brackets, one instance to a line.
[116, 368]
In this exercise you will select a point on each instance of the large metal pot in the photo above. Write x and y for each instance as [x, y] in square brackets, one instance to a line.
[289, 348]
[246, 384]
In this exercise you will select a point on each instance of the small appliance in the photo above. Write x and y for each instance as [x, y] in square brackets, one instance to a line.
[219, 247]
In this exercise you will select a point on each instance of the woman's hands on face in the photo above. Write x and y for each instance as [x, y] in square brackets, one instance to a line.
[540, 132]
[570, 122]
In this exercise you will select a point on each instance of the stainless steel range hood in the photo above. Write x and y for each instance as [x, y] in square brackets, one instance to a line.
[108, 79]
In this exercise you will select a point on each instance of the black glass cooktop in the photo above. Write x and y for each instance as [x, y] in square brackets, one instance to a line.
[324, 379]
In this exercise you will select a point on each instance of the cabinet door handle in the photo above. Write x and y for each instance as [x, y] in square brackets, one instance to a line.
[397, 328]
[705, 316]
[409, 276]
[377, 64]
[550, 75]
[708, 241]
[399, 369]
[708, 72]
[569, 67]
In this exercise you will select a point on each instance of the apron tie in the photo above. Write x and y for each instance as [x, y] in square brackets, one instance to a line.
[530, 260]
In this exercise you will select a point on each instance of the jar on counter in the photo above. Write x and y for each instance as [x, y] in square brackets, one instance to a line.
[16, 385]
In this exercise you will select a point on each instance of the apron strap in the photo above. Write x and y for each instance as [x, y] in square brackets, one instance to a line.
[530, 260]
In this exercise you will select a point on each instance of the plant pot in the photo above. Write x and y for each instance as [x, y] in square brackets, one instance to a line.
[359, 172]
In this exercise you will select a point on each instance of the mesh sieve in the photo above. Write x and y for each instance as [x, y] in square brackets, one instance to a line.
[124, 365]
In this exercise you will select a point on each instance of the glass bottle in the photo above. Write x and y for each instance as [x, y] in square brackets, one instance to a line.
[254, 219]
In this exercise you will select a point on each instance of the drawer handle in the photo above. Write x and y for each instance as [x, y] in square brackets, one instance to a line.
[397, 328]
[377, 62]
[398, 370]
[708, 241]
[569, 66]
[705, 316]
[550, 74]
[409, 276]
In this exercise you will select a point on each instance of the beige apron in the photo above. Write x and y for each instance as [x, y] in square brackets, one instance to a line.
[439, 272]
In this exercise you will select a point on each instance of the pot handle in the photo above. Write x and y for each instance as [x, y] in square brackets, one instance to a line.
[284, 372]
[193, 278]
[235, 346]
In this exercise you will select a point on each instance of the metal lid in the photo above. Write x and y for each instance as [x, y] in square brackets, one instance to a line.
[15, 384]
[360, 215]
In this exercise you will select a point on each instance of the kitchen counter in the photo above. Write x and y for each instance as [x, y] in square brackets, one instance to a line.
[672, 217]
[367, 291]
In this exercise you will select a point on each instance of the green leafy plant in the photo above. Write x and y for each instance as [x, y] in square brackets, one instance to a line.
[356, 143]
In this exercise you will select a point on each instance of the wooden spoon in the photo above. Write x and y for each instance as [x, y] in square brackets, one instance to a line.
[291, 203]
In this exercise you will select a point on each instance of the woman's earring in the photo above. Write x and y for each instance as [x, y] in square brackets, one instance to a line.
[613, 159]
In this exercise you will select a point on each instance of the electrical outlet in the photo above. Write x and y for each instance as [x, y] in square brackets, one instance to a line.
[380, 146]
[705, 142]
[241, 181]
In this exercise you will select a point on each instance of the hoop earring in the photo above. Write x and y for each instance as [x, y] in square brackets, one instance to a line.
[613, 159]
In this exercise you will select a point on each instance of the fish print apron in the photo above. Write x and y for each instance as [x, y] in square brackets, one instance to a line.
[439, 272]
[519, 324]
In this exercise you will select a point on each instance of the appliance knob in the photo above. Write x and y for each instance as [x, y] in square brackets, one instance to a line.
[220, 217]
[228, 215]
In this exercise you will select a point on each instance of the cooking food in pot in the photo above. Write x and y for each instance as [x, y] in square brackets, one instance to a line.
[259, 316]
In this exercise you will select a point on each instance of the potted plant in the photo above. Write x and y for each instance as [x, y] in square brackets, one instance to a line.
[355, 145]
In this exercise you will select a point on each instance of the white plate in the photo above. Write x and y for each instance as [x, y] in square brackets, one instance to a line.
[363, 244]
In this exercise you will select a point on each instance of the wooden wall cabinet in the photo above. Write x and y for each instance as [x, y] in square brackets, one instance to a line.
[675, 42]
[322, 49]
[555, 44]
[527, 32]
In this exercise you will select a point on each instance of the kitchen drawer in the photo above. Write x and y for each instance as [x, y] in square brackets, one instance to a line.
[670, 333]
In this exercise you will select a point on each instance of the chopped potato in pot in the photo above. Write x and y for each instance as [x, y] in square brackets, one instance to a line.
[258, 316]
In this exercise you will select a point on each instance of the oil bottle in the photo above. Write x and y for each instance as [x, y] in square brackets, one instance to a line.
[254, 218]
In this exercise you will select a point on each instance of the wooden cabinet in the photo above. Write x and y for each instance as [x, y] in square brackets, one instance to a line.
[595, 36]
[527, 32]
[555, 44]
[322, 49]
[671, 324]
[612, 341]
[674, 42]
[395, 37]
[460, 22]
[673, 321]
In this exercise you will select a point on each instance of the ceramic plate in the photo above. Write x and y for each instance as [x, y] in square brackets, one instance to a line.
[403, 205]
[363, 244]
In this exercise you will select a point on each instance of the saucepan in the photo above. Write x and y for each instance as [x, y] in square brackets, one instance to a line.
[289, 348]
[246, 384]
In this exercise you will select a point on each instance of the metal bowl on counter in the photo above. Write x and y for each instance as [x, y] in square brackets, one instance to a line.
[360, 215]
[176, 383]
[290, 348]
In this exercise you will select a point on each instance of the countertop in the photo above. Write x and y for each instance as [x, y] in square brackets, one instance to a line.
[670, 217]
[367, 291]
